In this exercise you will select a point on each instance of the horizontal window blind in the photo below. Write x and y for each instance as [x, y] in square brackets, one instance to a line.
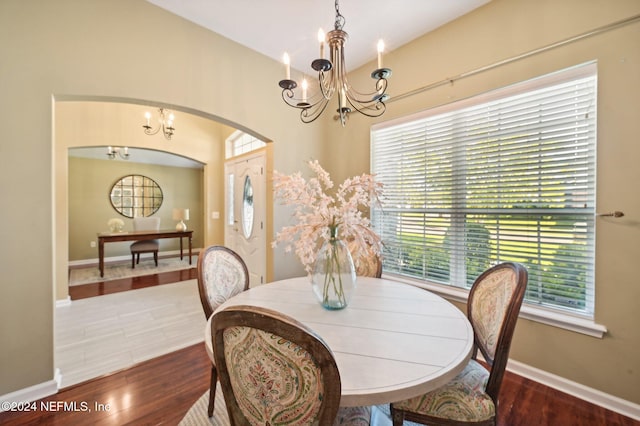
[506, 176]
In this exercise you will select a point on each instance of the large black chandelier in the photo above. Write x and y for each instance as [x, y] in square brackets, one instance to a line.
[332, 79]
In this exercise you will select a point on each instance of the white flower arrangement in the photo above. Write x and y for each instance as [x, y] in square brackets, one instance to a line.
[317, 213]
[115, 225]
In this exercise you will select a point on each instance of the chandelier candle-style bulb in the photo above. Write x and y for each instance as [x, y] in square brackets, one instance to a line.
[380, 50]
[287, 84]
[287, 66]
[332, 79]
[321, 40]
[304, 89]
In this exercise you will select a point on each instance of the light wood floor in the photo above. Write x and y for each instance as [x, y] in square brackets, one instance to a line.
[99, 335]
[161, 390]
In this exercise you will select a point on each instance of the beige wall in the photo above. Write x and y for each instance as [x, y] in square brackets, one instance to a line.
[503, 29]
[117, 49]
[126, 51]
[90, 183]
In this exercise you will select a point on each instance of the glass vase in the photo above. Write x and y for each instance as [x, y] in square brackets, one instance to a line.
[334, 278]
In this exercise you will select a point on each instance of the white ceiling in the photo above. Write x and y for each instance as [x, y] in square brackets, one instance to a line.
[272, 27]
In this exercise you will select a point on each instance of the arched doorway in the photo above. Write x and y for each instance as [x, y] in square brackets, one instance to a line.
[92, 122]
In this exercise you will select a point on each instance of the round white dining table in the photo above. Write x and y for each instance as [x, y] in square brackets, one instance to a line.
[393, 341]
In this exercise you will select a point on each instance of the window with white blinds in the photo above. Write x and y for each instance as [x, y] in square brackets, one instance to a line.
[505, 176]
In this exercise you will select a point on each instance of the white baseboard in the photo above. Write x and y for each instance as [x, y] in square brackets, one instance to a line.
[594, 396]
[172, 253]
[63, 302]
[57, 377]
[32, 393]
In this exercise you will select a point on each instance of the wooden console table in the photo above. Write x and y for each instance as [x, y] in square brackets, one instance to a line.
[111, 237]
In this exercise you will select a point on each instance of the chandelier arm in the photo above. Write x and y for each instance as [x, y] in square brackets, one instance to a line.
[373, 110]
[367, 99]
[310, 102]
[381, 85]
[168, 131]
[364, 98]
[287, 97]
[360, 100]
[148, 131]
[310, 114]
[327, 85]
[379, 93]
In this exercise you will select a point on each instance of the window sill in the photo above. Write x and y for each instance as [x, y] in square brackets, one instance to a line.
[537, 314]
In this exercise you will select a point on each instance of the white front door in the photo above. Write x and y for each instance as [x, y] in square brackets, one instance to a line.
[245, 229]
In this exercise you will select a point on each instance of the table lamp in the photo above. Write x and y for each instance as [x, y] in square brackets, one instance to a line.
[181, 215]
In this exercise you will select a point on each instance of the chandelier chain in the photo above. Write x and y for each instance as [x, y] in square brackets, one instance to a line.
[340, 21]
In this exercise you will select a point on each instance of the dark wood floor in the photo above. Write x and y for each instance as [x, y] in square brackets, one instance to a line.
[156, 392]
[115, 286]
[160, 392]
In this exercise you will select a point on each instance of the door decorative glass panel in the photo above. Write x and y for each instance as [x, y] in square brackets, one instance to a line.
[247, 207]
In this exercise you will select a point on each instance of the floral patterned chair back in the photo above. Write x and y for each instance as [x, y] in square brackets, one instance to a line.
[493, 307]
[472, 396]
[273, 370]
[221, 274]
[366, 262]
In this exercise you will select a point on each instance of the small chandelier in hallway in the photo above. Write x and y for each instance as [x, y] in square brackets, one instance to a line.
[164, 123]
[113, 152]
[332, 79]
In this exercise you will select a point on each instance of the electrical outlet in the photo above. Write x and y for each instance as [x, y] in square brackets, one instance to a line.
[92, 244]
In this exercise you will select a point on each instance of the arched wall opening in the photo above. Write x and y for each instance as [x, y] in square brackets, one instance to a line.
[100, 122]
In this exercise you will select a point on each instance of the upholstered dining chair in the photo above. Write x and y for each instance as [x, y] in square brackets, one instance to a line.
[145, 246]
[471, 398]
[367, 264]
[221, 274]
[276, 371]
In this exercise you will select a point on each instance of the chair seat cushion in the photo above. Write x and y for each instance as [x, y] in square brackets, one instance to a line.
[353, 416]
[145, 246]
[209, 347]
[462, 399]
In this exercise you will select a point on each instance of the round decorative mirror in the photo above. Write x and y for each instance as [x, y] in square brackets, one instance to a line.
[247, 207]
[136, 196]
